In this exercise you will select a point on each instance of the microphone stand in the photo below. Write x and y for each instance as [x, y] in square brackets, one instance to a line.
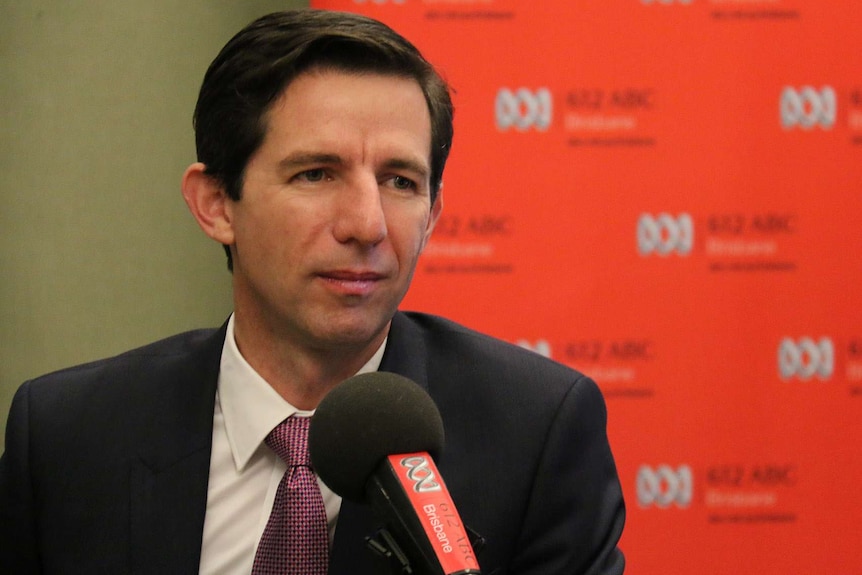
[383, 544]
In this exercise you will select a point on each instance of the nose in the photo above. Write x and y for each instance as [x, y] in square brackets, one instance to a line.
[360, 217]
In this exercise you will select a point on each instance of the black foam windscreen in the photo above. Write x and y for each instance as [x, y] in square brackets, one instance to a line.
[363, 420]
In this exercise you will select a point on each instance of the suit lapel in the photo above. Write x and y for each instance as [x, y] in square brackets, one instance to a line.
[169, 478]
[349, 554]
[405, 351]
[167, 507]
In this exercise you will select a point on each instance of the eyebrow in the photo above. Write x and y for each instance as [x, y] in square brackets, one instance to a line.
[421, 169]
[299, 159]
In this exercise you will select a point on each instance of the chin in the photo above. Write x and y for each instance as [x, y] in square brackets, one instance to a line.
[350, 334]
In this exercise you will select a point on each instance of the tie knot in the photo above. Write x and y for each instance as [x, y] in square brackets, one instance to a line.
[289, 440]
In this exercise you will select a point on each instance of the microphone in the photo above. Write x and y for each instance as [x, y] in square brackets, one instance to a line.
[373, 440]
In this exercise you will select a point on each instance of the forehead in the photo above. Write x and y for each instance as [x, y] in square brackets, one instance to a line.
[323, 103]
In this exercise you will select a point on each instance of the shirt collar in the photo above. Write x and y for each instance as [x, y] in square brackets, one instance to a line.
[250, 406]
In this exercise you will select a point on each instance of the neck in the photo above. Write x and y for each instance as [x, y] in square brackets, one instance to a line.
[302, 375]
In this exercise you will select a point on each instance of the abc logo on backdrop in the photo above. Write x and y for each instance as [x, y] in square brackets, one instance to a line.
[664, 486]
[807, 107]
[665, 234]
[524, 109]
[805, 358]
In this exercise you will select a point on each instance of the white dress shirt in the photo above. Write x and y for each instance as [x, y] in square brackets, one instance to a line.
[244, 472]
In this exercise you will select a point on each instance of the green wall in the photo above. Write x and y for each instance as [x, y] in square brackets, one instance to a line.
[98, 251]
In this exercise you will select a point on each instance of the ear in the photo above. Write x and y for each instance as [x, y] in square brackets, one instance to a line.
[436, 208]
[208, 203]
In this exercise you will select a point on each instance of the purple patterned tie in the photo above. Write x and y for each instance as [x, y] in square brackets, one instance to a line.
[296, 540]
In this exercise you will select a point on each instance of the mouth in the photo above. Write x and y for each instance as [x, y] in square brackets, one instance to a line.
[351, 282]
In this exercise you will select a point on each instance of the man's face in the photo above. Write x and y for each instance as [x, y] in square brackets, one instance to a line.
[335, 210]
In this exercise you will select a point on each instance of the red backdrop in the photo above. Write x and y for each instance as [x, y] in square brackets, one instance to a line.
[667, 195]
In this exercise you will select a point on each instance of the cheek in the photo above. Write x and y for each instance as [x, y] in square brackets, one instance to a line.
[408, 233]
[281, 226]
[254, 235]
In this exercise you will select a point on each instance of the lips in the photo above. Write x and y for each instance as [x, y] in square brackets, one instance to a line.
[351, 276]
[351, 282]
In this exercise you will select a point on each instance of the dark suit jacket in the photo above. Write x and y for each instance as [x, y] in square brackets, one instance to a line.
[106, 464]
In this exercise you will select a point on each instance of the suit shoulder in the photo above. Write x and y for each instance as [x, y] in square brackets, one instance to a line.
[498, 358]
[156, 384]
[145, 362]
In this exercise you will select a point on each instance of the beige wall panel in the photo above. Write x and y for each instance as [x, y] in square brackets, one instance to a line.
[98, 251]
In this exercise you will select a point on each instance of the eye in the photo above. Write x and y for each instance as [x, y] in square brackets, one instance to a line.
[313, 175]
[402, 183]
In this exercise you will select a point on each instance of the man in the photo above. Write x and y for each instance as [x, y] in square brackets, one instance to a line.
[321, 141]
